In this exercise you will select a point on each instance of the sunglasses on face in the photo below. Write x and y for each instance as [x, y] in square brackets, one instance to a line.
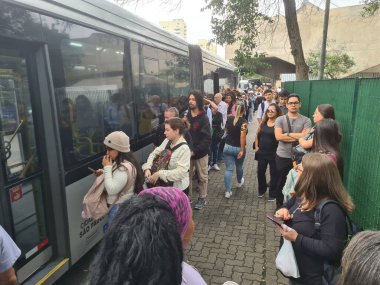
[271, 111]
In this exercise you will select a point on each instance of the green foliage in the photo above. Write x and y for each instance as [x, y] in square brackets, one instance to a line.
[237, 21]
[337, 63]
[247, 64]
[371, 7]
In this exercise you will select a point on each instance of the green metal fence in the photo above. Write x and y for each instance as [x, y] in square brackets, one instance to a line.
[357, 107]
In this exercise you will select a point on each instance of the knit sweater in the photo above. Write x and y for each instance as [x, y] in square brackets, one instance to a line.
[114, 182]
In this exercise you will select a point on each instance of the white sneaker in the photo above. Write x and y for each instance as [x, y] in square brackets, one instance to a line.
[216, 167]
[228, 195]
[239, 185]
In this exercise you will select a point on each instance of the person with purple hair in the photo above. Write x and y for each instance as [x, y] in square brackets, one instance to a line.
[181, 208]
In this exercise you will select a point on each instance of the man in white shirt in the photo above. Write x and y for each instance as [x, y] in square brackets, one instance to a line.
[9, 253]
[222, 107]
[261, 109]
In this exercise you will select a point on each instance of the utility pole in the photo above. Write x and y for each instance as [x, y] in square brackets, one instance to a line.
[322, 60]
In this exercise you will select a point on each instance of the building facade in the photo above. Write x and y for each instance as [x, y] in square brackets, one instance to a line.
[348, 32]
[175, 26]
[206, 45]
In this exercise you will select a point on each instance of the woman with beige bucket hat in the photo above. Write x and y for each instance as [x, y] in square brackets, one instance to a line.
[121, 170]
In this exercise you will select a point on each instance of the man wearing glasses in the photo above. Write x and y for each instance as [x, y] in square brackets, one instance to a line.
[288, 129]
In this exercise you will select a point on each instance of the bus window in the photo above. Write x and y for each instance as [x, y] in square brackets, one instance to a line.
[90, 88]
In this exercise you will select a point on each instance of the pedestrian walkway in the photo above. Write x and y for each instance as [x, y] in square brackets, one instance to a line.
[232, 239]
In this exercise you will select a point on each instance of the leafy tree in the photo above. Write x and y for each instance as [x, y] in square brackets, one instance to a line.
[371, 7]
[239, 21]
[337, 63]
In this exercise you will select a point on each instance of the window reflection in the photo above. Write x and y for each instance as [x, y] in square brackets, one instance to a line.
[88, 71]
[208, 78]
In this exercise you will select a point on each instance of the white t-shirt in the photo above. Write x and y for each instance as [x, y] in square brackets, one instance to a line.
[190, 276]
[260, 113]
[9, 252]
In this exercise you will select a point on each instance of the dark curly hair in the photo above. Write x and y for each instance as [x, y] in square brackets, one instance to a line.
[198, 98]
[142, 247]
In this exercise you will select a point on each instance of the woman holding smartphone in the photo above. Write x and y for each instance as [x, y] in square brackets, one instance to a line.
[116, 175]
[319, 180]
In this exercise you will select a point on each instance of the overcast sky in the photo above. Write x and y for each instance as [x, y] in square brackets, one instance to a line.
[198, 23]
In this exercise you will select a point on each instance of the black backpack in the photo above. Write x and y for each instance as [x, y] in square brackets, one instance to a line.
[332, 271]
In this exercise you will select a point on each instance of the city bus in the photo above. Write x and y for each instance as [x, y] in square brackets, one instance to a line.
[71, 72]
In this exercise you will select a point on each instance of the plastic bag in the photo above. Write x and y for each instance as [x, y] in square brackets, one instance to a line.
[286, 260]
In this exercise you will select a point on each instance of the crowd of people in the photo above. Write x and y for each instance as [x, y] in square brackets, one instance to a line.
[150, 211]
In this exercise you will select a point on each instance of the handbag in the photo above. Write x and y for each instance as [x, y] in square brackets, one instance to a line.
[95, 201]
[297, 153]
[161, 162]
[286, 260]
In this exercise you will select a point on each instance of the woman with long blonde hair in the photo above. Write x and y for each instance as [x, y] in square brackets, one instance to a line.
[234, 149]
[319, 181]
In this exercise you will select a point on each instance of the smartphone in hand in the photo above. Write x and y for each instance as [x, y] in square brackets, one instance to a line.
[273, 220]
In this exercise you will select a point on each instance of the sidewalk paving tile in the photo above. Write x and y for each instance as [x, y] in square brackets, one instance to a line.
[232, 239]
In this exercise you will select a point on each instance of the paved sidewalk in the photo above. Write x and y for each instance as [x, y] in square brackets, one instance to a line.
[232, 239]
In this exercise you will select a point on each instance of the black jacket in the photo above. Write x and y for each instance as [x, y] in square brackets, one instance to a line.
[200, 132]
[312, 250]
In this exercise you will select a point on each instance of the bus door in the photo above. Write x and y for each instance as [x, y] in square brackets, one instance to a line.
[23, 151]
[216, 82]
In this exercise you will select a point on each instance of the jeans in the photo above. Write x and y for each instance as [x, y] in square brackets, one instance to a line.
[213, 159]
[250, 117]
[221, 149]
[230, 159]
[112, 213]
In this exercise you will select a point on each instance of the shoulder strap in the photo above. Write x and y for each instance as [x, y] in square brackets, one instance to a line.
[310, 134]
[289, 126]
[167, 145]
[177, 146]
[318, 214]
[131, 169]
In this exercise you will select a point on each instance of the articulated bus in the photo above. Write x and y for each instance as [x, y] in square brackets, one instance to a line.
[71, 71]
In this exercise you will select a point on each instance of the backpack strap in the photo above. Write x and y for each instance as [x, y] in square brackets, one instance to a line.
[289, 126]
[168, 145]
[177, 146]
[318, 215]
[131, 170]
